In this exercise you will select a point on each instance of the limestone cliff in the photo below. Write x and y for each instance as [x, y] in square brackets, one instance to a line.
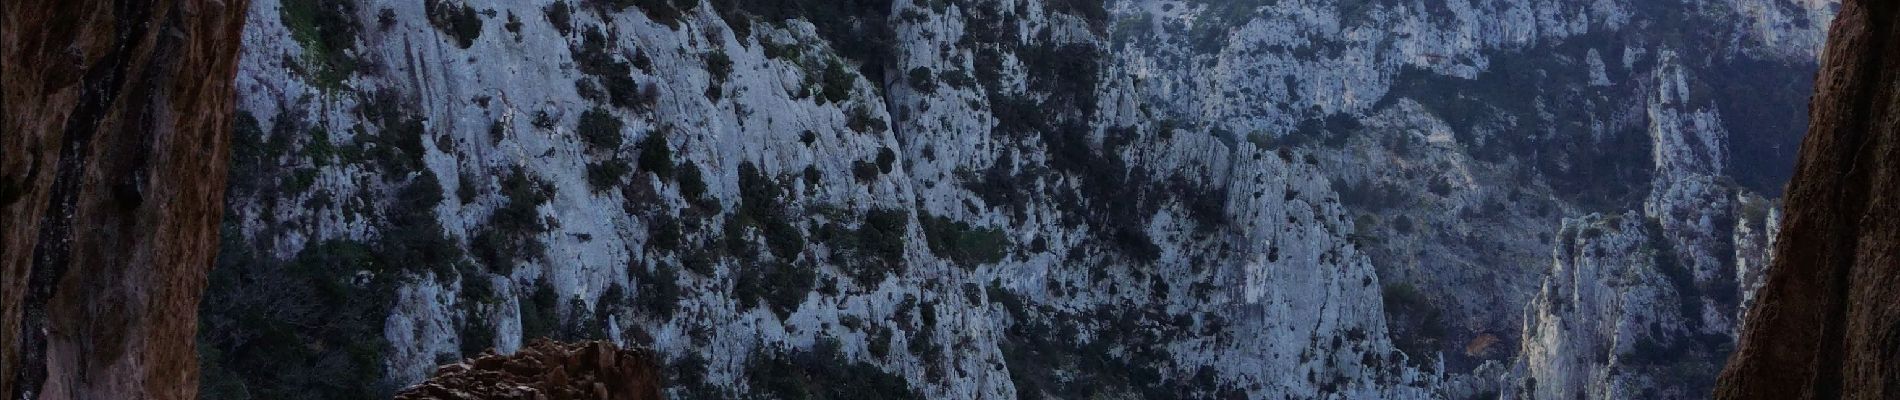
[116, 119]
[999, 198]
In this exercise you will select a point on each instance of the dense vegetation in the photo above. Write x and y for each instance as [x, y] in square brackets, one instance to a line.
[823, 373]
[326, 29]
[310, 326]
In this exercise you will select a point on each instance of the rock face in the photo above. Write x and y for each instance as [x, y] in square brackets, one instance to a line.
[1007, 198]
[115, 132]
[1823, 325]
[595, 370]
[1643, 304]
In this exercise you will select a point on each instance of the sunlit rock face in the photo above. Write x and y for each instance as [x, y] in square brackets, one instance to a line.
[1005, 199]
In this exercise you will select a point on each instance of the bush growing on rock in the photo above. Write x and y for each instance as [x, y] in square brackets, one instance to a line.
[838, 82]
[560, 15]
[659, 291]
[459, 21]
[510, 234]
[759, 207]
[862, 121]
[963, 244]
[783, 286]
[923, 80]
[539, 315]
[692, 184]
[1418, 326]
[326, 30]
[606, 174]
[296, 329]
[823, 373]
[600, 130]
[874, 250]
[656, 155]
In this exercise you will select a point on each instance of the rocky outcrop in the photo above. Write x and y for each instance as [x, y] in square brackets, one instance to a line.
[1823, 325]
[594, 370]
[1642, 304]
[114, 140]
[1599, 302]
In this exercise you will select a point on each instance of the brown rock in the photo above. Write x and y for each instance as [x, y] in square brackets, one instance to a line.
[548, 370]
[1827, 324]
[113, 153]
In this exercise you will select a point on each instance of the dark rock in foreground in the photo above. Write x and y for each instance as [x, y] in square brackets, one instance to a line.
[1825, 324]
[547, 370]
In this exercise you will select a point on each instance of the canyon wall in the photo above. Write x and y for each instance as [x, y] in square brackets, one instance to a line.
[1824, 324]
[1010, 198]
[114, 140]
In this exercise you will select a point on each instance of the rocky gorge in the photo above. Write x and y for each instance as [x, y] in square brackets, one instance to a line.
[1012, 199]
[1008, 198]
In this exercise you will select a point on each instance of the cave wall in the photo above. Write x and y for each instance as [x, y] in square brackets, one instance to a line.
[1825, 325]
[112, 175]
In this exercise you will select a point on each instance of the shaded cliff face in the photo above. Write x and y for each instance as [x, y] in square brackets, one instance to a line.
[115, 131]
[1824, 324]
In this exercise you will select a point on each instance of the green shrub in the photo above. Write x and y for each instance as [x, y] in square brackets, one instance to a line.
[922, 80]
[475, 333]
[656, 155]
[299, 180]
[600, 130]
[560, 15]
[606, 174]
[779, 51]
[886, 160]
[326, 30]
[664, 234]
[595, 57]
[812, 175]
[659, 292]
[467, 187]
[879, 343]
[306, 328]
[699, 263]
[783, 286]
[882, 237]
[1417, 325]
[397, 148]
[513, 25]
[1440, 186]
[658, 10]
[719, 65]
[823, 373]
[1755, 213]
[692, 184]
[957, 78]
[838, 82]
[413, 233]
[459, 22]
[539, 314]
[861, 121]
[865, 172]
[759, 206]
[963, 244]
[1402, 224]
[509, 235]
